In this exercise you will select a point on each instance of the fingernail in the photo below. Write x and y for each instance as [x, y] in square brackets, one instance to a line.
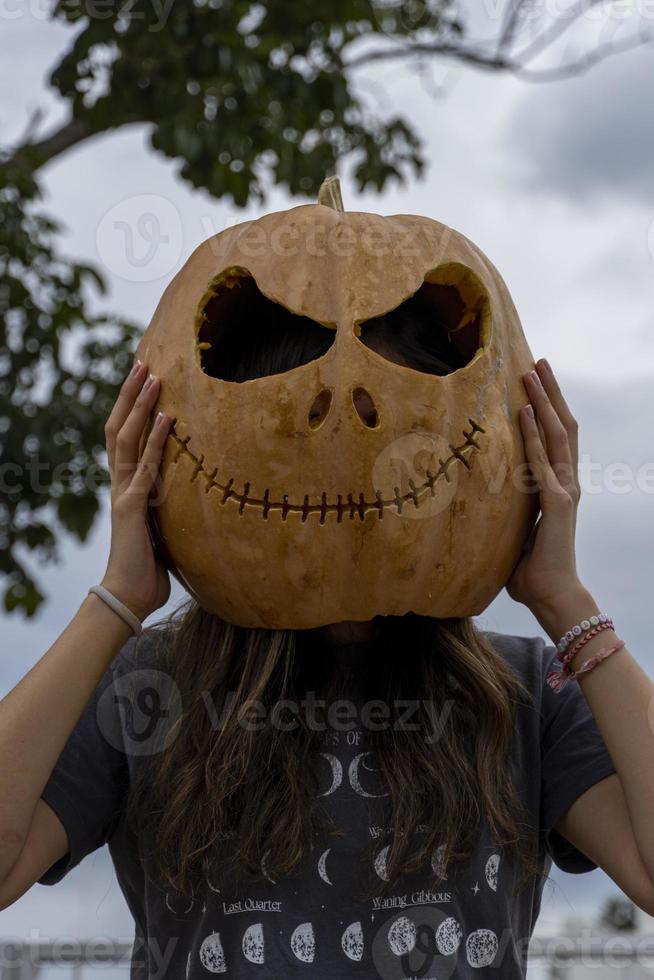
[136, 368]
[534, 377]
[161, 418]
[529, 410]
[548, 366]
[150, 379]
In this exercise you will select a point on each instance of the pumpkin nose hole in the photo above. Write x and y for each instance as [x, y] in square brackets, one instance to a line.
[320, 408]
[365, 407]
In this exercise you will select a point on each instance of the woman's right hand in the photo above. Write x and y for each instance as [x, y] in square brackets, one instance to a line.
[134, 574]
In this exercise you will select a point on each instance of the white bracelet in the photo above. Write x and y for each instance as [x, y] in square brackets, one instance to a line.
[118, 607]
[578, 629]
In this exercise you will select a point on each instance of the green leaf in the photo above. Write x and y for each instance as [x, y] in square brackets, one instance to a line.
[76, 513]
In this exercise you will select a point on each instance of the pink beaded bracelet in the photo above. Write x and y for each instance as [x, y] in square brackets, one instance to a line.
[578, 629]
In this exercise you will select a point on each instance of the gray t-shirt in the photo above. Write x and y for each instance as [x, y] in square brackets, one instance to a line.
[307, 925]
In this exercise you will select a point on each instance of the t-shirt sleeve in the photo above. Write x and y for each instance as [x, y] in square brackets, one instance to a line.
[89, 782]
[574, 757]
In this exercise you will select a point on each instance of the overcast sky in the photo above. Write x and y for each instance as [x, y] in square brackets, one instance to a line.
[553, 181]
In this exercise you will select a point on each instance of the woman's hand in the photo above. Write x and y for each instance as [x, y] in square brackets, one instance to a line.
[547, 569]
[133, 573]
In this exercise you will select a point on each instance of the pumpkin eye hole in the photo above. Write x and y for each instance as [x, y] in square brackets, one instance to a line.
[434, 331]
[243, 335]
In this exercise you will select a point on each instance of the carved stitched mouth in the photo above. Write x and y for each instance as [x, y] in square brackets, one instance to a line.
[349, 506]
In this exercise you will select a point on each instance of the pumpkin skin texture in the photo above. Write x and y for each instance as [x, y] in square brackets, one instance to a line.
[271, 518]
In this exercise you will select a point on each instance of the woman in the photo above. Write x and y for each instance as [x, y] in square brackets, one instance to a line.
[260, 825]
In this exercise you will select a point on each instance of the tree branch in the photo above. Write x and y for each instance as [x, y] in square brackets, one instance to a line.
[35, 154]
[582, 65]
[510, 24]
[42, 151]
[562, 24]
[479, 59]
[498, 62]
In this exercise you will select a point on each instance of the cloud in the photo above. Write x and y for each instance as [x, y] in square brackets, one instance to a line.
[581, 280]
[596, 138]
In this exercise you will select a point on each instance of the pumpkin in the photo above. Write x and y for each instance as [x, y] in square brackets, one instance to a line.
[282, 504]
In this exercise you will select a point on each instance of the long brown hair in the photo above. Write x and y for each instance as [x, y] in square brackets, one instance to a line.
[253, 788]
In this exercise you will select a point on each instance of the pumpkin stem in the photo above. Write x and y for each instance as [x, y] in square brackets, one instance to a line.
[329, 194]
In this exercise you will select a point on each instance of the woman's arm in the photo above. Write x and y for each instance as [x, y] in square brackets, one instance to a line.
[39, 714]
[612, 821]
[613, 824]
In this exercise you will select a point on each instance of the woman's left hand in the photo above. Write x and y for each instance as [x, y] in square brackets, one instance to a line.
[547, 568]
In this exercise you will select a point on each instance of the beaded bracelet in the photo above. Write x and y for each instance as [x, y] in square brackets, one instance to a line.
[574, 650]
[577, 630]
[565, 653]
[558, 680]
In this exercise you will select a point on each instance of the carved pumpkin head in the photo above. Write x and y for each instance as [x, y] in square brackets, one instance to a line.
[350, 485]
